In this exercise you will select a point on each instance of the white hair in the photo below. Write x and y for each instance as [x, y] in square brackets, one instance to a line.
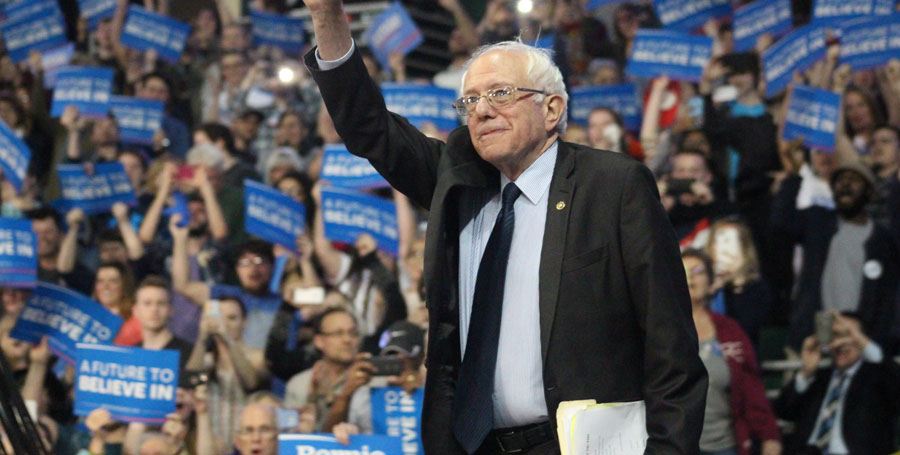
[541, 71]
[207, 155]
[282, 156]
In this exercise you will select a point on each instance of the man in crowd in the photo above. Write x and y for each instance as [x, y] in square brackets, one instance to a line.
[153, 308]
[596, 214]
[330, 383]
[257, 432]
[849, 408]
[688, 196]
[850, 263]
[47, 226]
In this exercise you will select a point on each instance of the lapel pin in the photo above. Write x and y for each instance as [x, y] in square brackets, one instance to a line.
[560, 205]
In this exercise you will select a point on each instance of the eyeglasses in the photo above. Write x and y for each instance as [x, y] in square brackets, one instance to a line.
[341, 333]
[263, 431]
[496, 97]
[247, 262]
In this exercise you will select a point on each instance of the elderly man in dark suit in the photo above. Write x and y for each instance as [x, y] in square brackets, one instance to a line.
[552, 273]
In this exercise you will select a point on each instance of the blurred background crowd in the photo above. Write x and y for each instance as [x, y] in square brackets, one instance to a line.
[789, 251]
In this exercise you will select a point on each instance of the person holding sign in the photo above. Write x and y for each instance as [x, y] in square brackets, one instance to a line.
[577, 291]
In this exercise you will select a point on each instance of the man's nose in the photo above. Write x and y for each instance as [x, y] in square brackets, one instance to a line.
[483, 108]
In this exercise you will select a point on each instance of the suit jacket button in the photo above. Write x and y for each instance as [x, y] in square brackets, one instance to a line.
[560, 205]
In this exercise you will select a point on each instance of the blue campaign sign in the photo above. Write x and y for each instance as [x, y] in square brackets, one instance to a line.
[343, 169]
[145, 30]
[272, 215]
[66, 318]
[813, 115]
[796, 51]
[18, 253]
[19, 10]
[392, 31]
[679, 55]
[55, 60]
[870, 43]
[38, 31]
[85, 87]
[686, 15]
[326, 444]
[14, 156]
[348, 213]
[831, 9]
[760, 17]
[399, 414]
[422, 103]
[95, 193]
[621, 98]
[276, 30]
[133, 384]
[93, 11]
[138, 119]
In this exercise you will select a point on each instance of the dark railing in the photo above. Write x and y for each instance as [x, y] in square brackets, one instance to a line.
[21, 434]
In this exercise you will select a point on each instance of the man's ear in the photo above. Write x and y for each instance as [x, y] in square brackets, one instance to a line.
[553, 111]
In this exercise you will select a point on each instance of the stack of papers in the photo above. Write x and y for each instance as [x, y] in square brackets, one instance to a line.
[588, 428]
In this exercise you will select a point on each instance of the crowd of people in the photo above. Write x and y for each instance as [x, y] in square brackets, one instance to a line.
[773, 234]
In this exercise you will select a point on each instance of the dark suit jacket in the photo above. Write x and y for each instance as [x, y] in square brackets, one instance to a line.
[614, 307]
[871, 407]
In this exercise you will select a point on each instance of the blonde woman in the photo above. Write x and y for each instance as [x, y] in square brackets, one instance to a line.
[738, 284]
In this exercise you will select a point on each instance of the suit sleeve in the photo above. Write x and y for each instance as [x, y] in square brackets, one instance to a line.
[675, 380]
[404, 156]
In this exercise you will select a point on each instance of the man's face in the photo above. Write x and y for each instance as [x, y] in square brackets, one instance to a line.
[597, 122]
[742, 82]
[690, 166]
[198, 224]
[246, 127]
[234, 67]
[154, 89]
[232, 318]
[254, 272]
[157, 446]
[14, 300]
[884, 155]
[257, 431]
[152, 308]
[339, 340]
[696, 140]
[849, 190]
[234, 38]
[849, 353]
[105, 132]
[48, 237]
[509, 134]
[113, 251]
[133, 168]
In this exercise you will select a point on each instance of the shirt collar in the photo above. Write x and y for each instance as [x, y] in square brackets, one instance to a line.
[536, 179]
[850, 372]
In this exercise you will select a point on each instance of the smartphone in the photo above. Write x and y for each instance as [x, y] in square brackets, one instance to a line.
[679, 186]
[824, 322]
[214, 308]
[387, 365]
[185, 173]
[196, 378]
[287, 418]
[309, 296]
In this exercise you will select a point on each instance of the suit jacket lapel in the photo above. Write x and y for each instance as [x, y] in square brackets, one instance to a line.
[559, 205]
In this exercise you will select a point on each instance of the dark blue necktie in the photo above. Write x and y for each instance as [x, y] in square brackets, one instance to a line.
[473, 406]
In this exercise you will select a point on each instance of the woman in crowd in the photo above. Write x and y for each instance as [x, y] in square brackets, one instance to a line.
[737, 411]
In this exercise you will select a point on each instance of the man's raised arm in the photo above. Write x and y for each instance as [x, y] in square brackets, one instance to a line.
[331, 28]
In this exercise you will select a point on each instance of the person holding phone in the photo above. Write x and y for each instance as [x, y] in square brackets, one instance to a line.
[848, 408]
[331, 382]
[688, 197]
[234, 370]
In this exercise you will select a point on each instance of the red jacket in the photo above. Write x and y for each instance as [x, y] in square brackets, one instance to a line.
[751, 413]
